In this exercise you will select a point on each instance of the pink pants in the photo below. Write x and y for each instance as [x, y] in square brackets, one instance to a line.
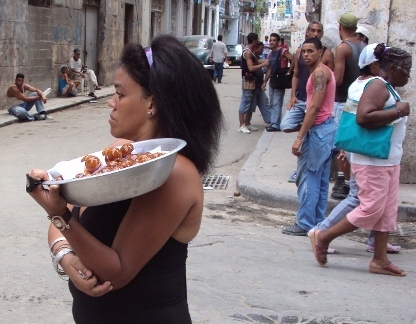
[378, 190]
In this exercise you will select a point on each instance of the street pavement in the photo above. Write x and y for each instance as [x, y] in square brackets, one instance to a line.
[238, 272]
[263, 178]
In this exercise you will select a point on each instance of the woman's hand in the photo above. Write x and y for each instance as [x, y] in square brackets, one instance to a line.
[404, 108]
[49, 199]
[82, 278]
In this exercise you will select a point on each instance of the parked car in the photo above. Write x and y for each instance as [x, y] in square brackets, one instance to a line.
[200, 46]
[234, 54]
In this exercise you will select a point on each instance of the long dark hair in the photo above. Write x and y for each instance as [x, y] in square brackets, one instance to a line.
[185, 99]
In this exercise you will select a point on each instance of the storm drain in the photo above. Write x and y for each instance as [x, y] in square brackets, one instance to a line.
[217, 181]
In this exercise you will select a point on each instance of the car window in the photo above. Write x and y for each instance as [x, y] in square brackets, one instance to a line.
[234, 48]
[195, 43]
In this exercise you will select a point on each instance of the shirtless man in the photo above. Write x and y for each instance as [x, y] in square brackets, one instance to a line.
[19, 104]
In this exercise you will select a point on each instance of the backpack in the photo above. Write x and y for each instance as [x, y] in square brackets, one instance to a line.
[279, 77]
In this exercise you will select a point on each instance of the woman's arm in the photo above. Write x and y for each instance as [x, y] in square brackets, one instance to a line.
[174, 209]
[370, 111]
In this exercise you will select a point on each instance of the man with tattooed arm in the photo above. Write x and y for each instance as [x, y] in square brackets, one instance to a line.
[314, 142]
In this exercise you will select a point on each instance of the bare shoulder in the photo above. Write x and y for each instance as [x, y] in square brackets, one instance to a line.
[343, 50]
[12, 91]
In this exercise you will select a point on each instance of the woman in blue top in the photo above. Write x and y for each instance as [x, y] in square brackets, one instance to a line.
[67, 87]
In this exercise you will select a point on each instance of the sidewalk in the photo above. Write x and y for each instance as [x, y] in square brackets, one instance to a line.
[264, 176]
[56, 104]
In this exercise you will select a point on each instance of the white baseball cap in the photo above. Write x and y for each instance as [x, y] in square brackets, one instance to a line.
[362, 30]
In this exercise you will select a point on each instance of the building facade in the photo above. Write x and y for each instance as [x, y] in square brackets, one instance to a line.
[39, 36]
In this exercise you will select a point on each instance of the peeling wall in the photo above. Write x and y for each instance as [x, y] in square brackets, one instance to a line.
[392, 22]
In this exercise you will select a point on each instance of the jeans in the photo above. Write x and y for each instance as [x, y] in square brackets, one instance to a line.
[218, 70]
[314, 166]
[21, 111]
[246, 99]
[260, 99]
[337, 112]
[276, 102]
[294, 117]
[344, 207]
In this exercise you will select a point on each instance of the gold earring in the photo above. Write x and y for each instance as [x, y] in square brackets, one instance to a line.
[149, 113]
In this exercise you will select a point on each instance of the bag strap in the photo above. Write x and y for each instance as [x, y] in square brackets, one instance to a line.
[278, 61]
[388, 86]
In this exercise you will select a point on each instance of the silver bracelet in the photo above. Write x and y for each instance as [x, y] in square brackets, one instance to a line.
[57, 258]
[59, 239]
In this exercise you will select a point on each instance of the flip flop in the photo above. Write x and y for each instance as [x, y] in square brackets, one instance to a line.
[392, 249]
[319, 251]
[390, 270]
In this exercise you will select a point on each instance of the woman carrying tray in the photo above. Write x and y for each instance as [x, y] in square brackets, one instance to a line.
[126, 261]
[382, 69]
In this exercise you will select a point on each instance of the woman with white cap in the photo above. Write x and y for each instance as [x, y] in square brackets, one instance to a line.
[378, 179]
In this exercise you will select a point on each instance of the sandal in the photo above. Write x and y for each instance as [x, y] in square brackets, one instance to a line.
[319, 251]
[390, 270]
[392, 249]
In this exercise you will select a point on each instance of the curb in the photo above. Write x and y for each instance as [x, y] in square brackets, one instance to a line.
[266, 195]
[55, 108]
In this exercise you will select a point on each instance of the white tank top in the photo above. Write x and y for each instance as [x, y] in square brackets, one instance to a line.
[396, 151]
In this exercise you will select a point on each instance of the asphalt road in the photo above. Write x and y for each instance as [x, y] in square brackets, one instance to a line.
[241, 269]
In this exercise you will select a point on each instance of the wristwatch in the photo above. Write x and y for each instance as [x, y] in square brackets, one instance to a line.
[61, 222]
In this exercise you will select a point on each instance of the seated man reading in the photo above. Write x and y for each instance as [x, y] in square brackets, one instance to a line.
[19, 104]
[78, 72]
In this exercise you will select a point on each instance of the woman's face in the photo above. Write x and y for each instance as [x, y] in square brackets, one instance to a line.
[129, 117]
[400, 73]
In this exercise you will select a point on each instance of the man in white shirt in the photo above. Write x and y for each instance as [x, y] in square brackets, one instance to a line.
[218, 55]
[266, 49]
[78, 73]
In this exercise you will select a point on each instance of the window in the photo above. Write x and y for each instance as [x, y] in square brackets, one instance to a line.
[39, 3]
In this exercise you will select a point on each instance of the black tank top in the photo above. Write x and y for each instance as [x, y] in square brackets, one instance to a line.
[244, 66]
[156, 295]
[351, 72]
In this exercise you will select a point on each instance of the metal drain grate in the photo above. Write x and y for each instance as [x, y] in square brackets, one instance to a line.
[217, 181]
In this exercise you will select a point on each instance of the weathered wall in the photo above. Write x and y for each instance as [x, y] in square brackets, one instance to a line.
[402, 34]
[110, 38]
[66, 29]
[389, 21]
[13, 40]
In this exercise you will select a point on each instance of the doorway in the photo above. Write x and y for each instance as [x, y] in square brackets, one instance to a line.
[91, 38]
[128, 23]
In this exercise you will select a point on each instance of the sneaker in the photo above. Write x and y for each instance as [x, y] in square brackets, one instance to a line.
[272, 129]
[341, 192]
[292, 178]
[243, 129]
[252, 128]
[390, 248]
[215, 79]
[294, 230]
[92, 94]
[340, 180]
[97, 88]
[43, 117]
